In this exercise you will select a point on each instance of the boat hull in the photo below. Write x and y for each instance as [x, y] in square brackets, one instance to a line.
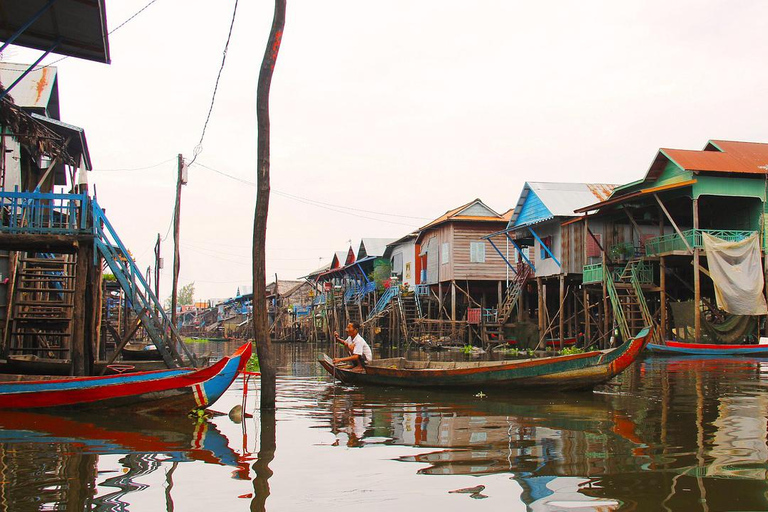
[577, 371]
[676, 347]
[176, 390]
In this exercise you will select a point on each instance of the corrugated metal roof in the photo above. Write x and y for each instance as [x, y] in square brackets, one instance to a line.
[717, 156]
[38, 90]
[456, 215]
[80, 27]
[373, 246]
[560, 199]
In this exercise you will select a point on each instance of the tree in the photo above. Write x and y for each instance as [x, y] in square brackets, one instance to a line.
[186, 296]
[260, 319]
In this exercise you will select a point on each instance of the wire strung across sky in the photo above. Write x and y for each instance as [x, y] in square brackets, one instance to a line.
[321, 204]
[199, 148]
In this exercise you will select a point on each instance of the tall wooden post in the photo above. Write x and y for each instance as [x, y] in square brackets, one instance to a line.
[587, 326]
[260, 319]
[562, 312]
[77, 342]
[696, 276]
[540, 289]
[606, 316]
[158, 266]
[176, 219]
[663, 298]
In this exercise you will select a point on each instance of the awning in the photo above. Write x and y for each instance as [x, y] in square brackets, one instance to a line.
[79, 26]
[634, 195]
[77, 147]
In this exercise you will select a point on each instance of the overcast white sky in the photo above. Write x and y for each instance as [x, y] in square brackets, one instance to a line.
[403, 108]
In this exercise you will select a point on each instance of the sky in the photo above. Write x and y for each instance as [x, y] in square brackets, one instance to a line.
[384, 115]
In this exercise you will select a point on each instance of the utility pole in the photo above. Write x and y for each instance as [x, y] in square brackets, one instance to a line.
[158, 266]
[181, 180]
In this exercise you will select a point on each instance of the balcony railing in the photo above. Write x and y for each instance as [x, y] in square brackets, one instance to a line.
[673, 242]
[44, 213]
[593, 273]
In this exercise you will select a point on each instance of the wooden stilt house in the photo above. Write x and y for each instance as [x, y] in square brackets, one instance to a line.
[653, 253]
[545, 249]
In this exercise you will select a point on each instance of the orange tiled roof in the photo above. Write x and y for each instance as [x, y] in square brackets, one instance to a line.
[451, 215]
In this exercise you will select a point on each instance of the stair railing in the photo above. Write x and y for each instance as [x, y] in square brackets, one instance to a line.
[383, 301]
[143, 301]
[618, 310]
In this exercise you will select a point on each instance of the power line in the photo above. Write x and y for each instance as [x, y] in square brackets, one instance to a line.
[136, 168]
[109, 33]
[199, 148]
[320, 204]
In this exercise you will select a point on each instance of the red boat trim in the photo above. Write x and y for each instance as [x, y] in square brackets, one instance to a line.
[711, 346]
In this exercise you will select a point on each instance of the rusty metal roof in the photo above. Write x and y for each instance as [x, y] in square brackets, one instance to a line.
[38, 91]
[717, 156]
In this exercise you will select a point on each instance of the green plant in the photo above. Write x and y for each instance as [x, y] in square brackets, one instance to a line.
[253, 364]
[567, 351]
[108, 277]
[467, 349]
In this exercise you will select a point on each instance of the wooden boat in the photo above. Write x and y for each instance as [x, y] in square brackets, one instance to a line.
[678, 347]
[177, 390]
[140, 353]
[576, 371]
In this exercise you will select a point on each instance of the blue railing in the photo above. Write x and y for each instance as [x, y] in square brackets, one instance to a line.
[391, 292]
[44, 212]
[155, 320]
[421, 289]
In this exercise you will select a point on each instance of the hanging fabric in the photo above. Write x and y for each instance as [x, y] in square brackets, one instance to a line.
[737, 272]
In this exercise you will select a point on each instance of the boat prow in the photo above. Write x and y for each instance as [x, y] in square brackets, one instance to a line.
[167, 391]
[574, 371]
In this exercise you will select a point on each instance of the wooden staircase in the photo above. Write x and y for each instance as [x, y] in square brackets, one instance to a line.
[40, 320]
[408, 307]
[628, 301]
[513, 293]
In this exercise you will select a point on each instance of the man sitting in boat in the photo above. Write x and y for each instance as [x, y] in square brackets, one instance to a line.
[359, 350]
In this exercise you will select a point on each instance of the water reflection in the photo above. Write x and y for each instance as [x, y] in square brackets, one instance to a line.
[678, 433]
[52, 461]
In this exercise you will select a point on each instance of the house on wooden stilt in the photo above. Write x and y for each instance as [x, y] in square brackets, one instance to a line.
[657, 230]
[545, 247]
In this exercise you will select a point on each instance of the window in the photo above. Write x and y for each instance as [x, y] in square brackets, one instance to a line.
[477, 252]
[593, 249]
[546, 241]
[397, 263]
[445, 257]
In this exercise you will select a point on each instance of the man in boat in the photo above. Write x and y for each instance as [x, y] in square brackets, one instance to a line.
[358, 348]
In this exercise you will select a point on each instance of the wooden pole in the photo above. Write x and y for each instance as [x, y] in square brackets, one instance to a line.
[696, 277]
[540, 289]
[158, 266]
[260, 319]
[561, 321]
[77, 342]
[663, 298]
[176, 219]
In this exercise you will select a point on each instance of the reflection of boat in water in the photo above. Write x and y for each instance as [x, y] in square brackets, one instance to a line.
[176, 390]
[44, 452]
[182, 439]
[678, 348]
[575, 371]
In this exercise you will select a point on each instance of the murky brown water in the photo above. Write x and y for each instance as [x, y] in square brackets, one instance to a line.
[681, 434]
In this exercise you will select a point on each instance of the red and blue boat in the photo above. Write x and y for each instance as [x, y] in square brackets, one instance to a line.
[574, 371]
[708, 349]
[179, 390]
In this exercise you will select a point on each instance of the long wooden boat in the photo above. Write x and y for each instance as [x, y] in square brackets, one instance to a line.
[576, 371]
[678, 347]
[177, 390]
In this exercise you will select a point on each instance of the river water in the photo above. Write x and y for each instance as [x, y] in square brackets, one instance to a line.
[682, 433]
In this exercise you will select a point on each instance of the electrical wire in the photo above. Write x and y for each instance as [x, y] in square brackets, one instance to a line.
[321, 204]
[199, 148]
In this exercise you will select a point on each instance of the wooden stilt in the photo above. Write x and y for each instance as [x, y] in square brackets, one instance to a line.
[696, 277]
[77, 341]
[561, 320]
[663, 298]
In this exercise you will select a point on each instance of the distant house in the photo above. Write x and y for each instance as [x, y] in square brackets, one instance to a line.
[453, 254]
[405, 262]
